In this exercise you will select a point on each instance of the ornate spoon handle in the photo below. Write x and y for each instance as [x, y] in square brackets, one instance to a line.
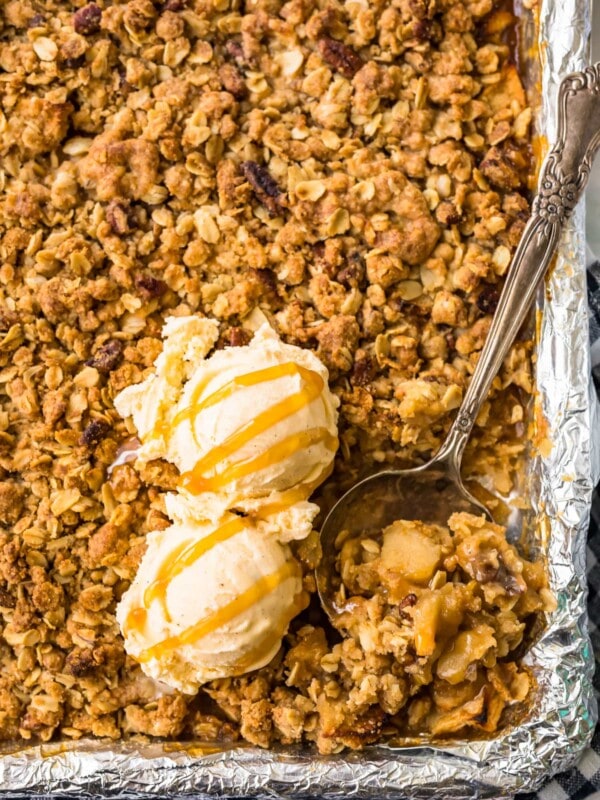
[563, 177]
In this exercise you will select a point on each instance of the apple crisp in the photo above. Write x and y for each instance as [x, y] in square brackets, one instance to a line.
[446, 607]
[356, 173]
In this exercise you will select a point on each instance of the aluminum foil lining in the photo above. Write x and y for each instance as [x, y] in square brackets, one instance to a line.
[563, 720]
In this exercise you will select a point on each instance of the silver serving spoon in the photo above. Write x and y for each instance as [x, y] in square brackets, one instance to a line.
[433, 491]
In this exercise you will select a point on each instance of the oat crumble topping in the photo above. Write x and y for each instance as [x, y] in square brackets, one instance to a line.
[357, 171]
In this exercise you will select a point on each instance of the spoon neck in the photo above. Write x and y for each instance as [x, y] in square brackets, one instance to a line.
[450, 454]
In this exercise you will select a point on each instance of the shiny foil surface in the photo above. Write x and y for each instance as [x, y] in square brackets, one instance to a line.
[562, 719]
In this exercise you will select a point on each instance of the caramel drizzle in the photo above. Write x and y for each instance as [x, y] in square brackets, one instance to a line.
[195, 482]
[136, 620]
[188, 553]
[223, 615]
[196, 405]
[183, 557]
[287, 500]
[241, 381]
[179, 559]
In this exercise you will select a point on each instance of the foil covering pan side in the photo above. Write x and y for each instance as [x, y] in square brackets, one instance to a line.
[564, 717]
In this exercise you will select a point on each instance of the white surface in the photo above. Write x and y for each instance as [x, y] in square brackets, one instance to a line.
[593, 193]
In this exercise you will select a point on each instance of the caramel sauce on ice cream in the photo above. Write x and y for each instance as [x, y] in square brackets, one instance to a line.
[216, 591]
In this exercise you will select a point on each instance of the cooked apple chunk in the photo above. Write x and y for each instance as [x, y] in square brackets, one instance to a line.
[412, 550]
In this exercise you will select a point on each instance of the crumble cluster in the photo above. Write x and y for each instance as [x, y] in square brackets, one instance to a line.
[358, 172]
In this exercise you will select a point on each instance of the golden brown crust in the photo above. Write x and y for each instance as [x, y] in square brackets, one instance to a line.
[356, 171]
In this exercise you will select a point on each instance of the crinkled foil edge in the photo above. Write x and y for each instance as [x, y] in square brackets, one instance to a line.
[565, 712]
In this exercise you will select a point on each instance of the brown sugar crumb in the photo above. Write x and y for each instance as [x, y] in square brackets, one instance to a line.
[104, 543]
[338, 339]
[166, 720]
[12, 497]
[360, 179]
[139, 15]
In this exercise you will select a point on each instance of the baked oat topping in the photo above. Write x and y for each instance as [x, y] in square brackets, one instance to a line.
[389, 144]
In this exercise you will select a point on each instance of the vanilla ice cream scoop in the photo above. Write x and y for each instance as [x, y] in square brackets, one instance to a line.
[247, 423]
[209, 601]
[251, 429]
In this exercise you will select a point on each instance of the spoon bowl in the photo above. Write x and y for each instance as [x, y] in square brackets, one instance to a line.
[432, 492]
